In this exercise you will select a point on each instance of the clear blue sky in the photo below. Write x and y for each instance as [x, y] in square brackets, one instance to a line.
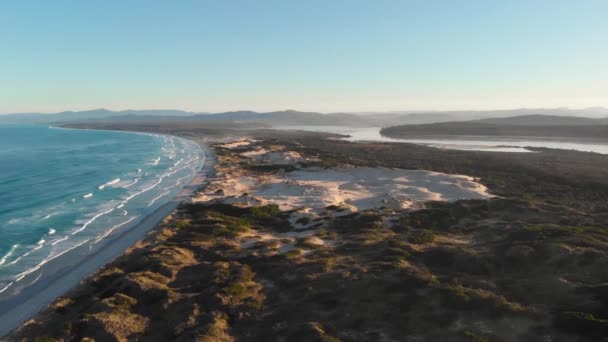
[325, 55]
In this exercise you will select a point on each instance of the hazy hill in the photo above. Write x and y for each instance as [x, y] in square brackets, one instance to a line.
[535, 117]
[277, 118]
[96, 114]
[522, 126]
[467, 115]
[291, 117]
[544, 120]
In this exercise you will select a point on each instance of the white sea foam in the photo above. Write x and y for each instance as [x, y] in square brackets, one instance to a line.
[91, 220]
[113, 181]
[48, 216]
[35, 280]
[39, 245]
[157, 198]
[155, 161]
[6, 287]
[59, 240]
[8, 254]
[16, 260]
[171, 151]
[179, 180]
[21, 275]
[144, 190]
[160, 179]
[109, 231]
[132, 183]
[15, 220]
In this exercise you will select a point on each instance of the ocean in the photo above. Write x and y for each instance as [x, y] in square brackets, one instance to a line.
[62, 189]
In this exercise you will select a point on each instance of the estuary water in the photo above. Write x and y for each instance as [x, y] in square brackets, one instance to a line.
[471, 143]
[63, 189]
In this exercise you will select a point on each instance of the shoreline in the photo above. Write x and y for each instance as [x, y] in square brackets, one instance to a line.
[58, 281]
[331, 227]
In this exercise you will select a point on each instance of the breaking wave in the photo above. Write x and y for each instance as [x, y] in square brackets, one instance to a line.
[80, 223]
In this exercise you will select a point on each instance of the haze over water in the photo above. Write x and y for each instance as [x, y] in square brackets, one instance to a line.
[61, 189]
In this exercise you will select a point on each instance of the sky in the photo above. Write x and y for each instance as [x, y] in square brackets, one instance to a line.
[314, 55]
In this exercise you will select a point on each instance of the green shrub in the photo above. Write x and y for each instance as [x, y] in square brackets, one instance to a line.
[237, 291]
[121, 301]
[265, 211]
[68, 327]
[474, 336]
[293, 253]
[308, 244]
[230, 231]
[45, 339]
[582, 323]
[182, 224]
[422, 237]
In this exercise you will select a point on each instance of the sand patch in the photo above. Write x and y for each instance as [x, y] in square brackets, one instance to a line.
[352, 188]
[235, 144]
[315, 195]
[271, 243]
[265, 157]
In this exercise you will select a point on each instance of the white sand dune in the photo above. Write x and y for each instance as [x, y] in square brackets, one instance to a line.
[308, 192]
[265, 157]
[357, 188]
[237, 143]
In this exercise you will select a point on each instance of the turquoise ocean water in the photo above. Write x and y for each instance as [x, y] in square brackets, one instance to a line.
[62, 189]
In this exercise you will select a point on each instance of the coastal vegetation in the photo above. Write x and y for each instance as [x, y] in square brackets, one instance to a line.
[527, 265]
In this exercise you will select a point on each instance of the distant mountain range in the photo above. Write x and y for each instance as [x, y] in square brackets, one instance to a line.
[96, 114]
[525, 117]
